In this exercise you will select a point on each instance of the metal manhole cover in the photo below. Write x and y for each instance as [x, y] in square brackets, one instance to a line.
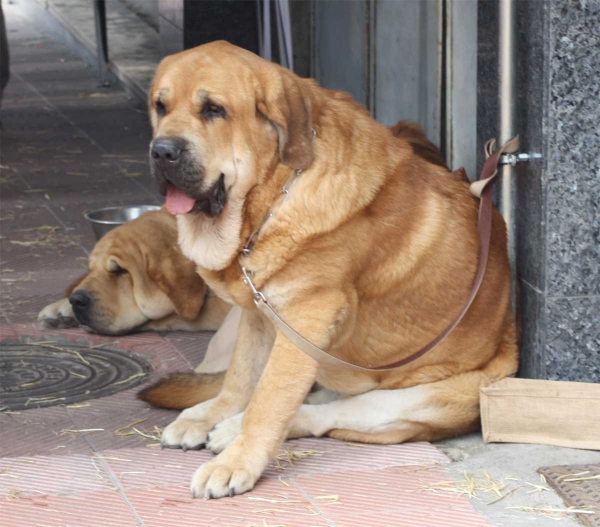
[579, 487]
[39, 374]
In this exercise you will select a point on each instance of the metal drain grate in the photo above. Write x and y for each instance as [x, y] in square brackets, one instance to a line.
[39, 374]
[573, 484]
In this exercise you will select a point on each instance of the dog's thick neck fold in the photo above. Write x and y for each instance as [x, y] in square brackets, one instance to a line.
[334, 187]
[262, 196]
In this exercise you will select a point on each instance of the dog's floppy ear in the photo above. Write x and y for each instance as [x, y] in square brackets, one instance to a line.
[287, 104]
[176, 276]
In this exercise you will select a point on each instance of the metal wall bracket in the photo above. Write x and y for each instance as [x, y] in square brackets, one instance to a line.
[513, 159]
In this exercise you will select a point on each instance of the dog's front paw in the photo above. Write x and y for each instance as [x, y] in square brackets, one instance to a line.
[234, 471]
[187, 434]
[57, 315]
[223, 434]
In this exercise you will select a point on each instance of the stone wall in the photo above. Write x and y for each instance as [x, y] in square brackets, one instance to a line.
[572, 128]
[558, 208]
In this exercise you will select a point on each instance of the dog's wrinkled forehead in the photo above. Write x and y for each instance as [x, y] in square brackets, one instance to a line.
[238, 88]
[114, 245]
[217, 71]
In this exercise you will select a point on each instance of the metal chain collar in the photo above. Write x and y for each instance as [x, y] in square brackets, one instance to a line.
[252, 239]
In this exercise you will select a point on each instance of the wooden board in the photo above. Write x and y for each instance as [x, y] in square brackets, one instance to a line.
[546, 412]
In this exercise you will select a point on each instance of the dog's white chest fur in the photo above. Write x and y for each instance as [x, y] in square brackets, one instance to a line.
[212, 243]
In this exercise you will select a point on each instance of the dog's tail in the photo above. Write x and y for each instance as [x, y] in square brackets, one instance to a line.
[408, 130]
[183, 390]
[415, 136]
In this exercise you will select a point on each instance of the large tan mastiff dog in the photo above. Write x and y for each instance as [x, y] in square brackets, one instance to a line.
[370, 257]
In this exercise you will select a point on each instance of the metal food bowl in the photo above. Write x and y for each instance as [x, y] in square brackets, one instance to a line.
[104, 220]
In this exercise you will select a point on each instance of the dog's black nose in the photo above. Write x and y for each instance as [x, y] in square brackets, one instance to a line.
[80, 300]
[166, 149]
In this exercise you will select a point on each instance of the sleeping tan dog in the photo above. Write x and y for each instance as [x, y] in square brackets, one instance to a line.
[138, 280]
[370, 257]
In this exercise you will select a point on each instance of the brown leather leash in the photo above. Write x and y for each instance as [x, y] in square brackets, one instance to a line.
[481, 189]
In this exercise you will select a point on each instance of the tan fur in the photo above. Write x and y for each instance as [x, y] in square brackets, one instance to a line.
[370, 257]
[160, 291]
[421, 146]
[183, 390]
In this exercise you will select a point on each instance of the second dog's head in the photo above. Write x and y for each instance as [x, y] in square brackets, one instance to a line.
[137, 273]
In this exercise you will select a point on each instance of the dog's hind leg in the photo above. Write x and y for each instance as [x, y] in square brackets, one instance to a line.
[426, 412]
[421, 413]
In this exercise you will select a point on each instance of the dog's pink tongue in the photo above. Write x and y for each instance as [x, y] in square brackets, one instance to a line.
[177, 202]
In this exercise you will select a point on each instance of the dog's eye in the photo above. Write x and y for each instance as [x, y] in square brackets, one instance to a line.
[210, 110]
[160, 108]
[120, 271]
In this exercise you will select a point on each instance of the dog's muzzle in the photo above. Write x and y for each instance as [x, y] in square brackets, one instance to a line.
[81, 302]
[171, 164]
